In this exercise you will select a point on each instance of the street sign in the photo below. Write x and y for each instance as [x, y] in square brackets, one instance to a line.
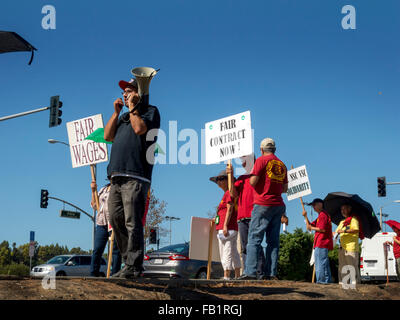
[70, 214]
[228, 138]
[31, 249]
[86, 152]
[32, 236]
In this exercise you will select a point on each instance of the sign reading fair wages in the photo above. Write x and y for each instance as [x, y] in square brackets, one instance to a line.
[298, 183]
[86, 152]
[228, 138]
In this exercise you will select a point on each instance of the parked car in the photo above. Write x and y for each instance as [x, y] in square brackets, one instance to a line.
[372, 259]
[173, 262]
[68, 265]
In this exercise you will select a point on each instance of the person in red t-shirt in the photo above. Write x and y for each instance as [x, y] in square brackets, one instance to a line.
[322, 241]
[227, 229]
[243, 192]
[269, 180]
[396, 249]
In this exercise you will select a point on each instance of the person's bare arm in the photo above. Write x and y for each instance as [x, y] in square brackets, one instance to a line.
[396, 240]
[229, 171]
[309, 226]
[254, 180]
[93, 186]
[137, 123]
[111, 126]
[285, 188]
[229, 211]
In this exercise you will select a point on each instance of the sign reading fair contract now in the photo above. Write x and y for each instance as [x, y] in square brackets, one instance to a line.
[298, 183]
[86, 152]
[228, 138]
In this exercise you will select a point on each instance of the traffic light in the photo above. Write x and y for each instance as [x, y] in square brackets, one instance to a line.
[153, 236]
[44, 198]
[55, 112]
[382, 187]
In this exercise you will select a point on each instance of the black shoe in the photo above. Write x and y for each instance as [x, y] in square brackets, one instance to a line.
[118, 274]
[246, 277]
[262, 277]
[130, 273]
[273, 278]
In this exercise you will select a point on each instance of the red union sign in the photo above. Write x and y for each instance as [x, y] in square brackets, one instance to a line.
[86, 152]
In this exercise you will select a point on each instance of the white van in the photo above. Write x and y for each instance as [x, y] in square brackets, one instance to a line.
[372, 258]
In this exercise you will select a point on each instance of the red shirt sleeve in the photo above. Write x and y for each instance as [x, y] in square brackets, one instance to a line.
[239, 185]
[322, 221]
[314, 223]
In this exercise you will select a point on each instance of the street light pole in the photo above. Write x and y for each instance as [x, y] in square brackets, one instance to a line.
[380, 210]
[170, 229]
[52, 141]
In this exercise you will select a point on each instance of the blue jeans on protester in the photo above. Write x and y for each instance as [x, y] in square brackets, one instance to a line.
[100, 242]
[244, 235]
[265, 220]
[322, 267]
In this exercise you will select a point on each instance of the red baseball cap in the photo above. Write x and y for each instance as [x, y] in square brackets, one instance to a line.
[123, 84]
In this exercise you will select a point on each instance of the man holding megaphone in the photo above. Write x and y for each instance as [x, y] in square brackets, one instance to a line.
[130, 171]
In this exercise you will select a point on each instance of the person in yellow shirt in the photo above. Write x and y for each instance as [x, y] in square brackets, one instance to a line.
[349, 254]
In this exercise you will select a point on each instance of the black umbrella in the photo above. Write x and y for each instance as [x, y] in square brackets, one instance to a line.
[11, 42]
[360, 208]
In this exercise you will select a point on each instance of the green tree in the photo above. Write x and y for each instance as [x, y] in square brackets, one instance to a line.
[78, 250]
[155, 216]
[16, 256]
[5, 253]
[294, 255]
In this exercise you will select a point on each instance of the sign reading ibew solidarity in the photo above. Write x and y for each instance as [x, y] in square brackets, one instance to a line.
[228, 138]
[86, 152]
[298, 183]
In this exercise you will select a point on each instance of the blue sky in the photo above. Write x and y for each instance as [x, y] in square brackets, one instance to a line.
[328, 96]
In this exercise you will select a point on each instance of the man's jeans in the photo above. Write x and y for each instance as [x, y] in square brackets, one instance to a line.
[126, 204]
[100, 242]
[322, 267]
[265, 220]
[244, 233]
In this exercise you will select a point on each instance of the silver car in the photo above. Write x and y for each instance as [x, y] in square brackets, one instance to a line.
[68, 265]
[173, 262]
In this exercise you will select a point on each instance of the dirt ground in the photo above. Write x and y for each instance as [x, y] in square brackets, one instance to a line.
[14, 288]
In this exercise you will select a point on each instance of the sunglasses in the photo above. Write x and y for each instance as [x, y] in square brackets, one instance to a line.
[220, 178]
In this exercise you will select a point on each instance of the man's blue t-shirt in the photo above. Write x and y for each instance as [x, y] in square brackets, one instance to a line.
[128, 151]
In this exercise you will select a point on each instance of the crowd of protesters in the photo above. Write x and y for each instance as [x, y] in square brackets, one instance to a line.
[254, 208]
[251, 207]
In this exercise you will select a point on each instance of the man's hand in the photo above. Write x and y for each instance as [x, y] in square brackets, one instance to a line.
[118, 104]
[93, 186]
[285, 220]
[304, 213]
[225, 231]
[133, 99]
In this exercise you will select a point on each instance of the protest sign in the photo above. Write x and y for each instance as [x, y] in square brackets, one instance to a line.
[228, 138]
[298, 183]
[86, 152]
[199, 239]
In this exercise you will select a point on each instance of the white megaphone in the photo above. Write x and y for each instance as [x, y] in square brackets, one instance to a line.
[143, 77]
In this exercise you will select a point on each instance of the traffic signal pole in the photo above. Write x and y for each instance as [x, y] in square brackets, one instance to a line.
[91, 217]
[23, 113]
[55, 112]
